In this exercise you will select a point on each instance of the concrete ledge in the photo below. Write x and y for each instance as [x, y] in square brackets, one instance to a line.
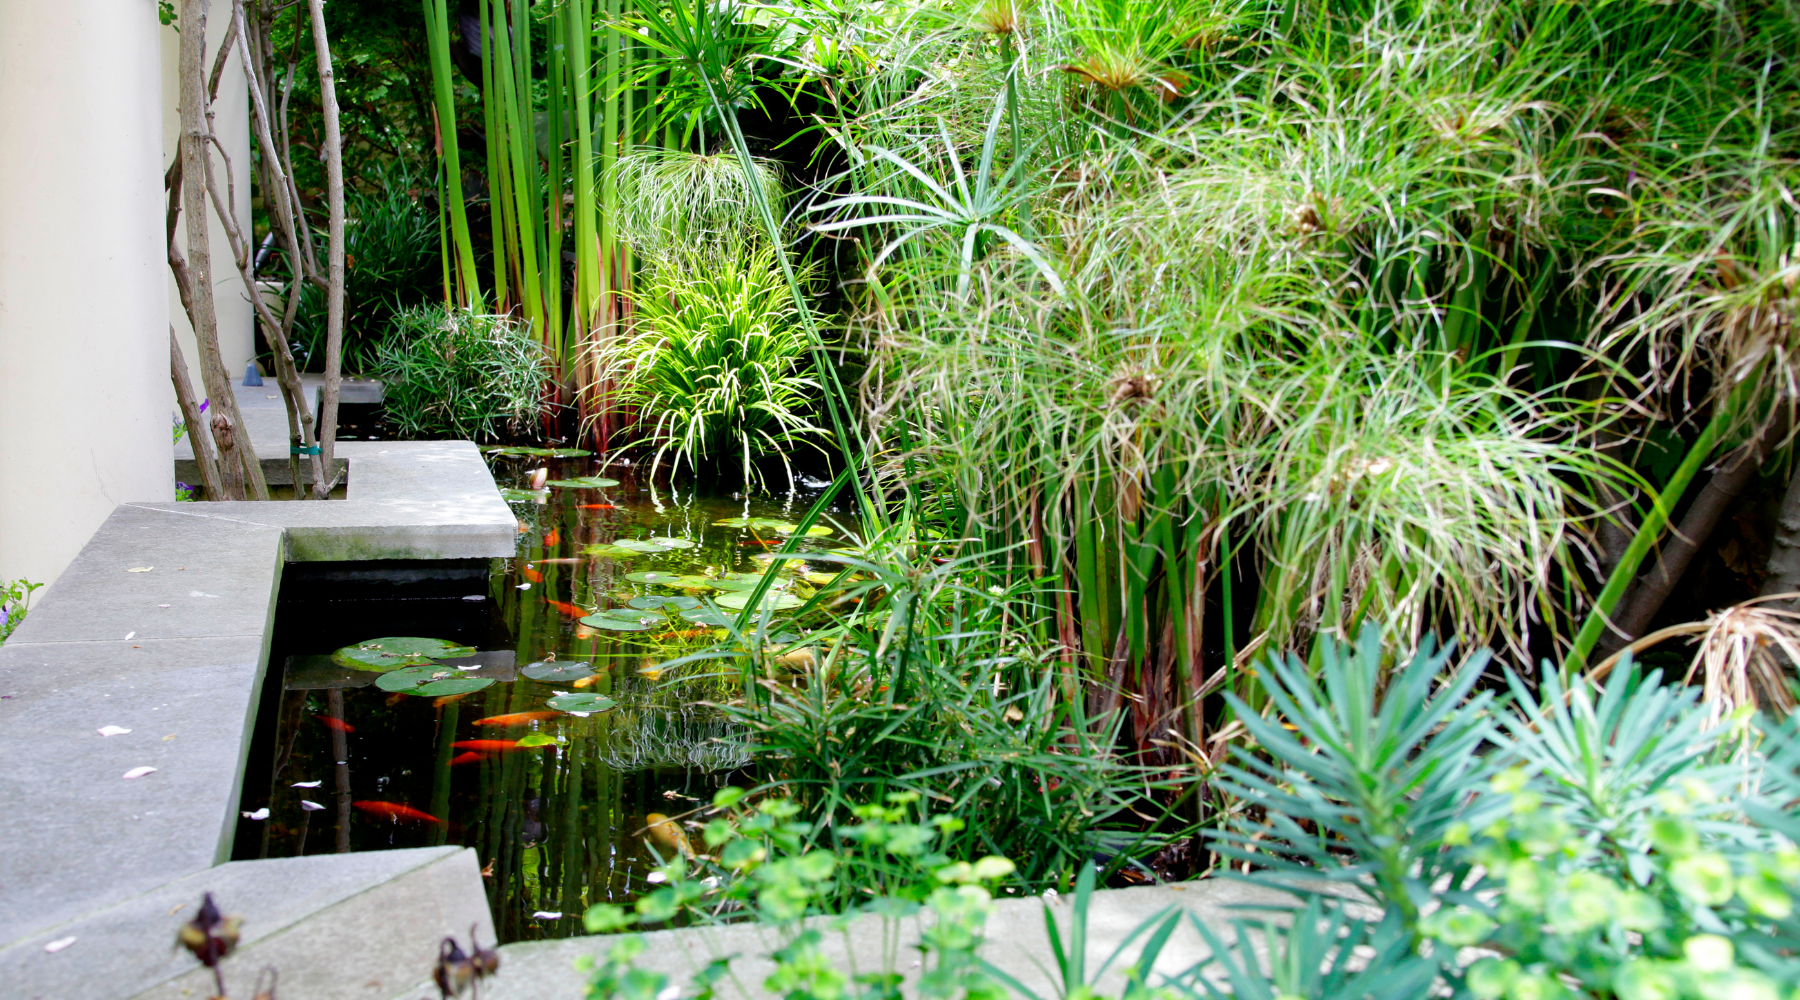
[1016, 943]
[327, 923]
[161, 626]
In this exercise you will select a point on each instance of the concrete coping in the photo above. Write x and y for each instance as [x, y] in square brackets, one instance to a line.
[161, 626]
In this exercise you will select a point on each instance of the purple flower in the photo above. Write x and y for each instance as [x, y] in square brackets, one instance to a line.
[204, 402]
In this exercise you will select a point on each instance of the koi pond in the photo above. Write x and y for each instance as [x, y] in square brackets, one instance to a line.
[520, 706]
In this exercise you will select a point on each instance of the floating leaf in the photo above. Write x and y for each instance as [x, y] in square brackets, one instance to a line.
[582, 702]
[393, 652]
[657, 603]
[657, 577]
[511, 495]
[708, 616]
[536, 740]
[774, 600]
[584, 483]
[557, 671]
[540, 452]
[734, 585]
[816, 531]
[640, 546]
[671, 542]
[430, 682]
[757, 523]
[612, 552]
[621, 620]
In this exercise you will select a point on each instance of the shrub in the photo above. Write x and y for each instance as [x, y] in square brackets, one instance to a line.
[717, 370]
[15, 601]
[456, 373]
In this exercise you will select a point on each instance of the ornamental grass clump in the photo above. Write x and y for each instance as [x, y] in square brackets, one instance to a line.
[453, 372]
[717, 369]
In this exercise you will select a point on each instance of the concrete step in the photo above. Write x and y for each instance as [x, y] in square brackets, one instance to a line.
[336, 927]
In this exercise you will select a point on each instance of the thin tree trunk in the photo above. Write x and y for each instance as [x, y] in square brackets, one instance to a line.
[1784, 550]
[1652, 590]
[334, 294]
[190, 416]
[340, 756]
[239, 471]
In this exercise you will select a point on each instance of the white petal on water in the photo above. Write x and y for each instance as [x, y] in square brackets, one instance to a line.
[130, 634]
[259, 814]
[137, 772]
[656, 877]
[306, 784]
[112, 731]
[59, 944]
[546, 915]
[475, 597]
[310, 806]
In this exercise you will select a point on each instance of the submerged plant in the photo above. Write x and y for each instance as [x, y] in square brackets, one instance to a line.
[718, 368]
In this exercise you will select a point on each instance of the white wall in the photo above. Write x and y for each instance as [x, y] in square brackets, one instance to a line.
[85, 399]
[231, 123]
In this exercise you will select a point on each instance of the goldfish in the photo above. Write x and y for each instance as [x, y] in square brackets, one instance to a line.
[516, 718]
[572, 610]
[583, 632]
[396, 698]
[337, 725]
[759, 544]
[597, 506]
[531, 574]
[523, 527]
[554, 537]
[488, 746]
[396, 812]
[447, 699]
[667, 836]
[585, 681]
[470, 757]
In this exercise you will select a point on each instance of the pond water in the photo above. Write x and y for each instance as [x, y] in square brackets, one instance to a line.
[556, 803]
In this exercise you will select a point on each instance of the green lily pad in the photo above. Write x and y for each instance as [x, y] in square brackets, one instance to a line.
[611, 552]
[622, 620]
[671, 542]
[655, 576]
[581, 702]
[711, 617]
[733, 586]
[584, 483]
[535, 740]
[656, 603]
[430, 682]
[640, 546]
[816, 531]
[511, 495]
[393, 652]
[773, 600]
[540, 452]
[757, 523]
[557, 671]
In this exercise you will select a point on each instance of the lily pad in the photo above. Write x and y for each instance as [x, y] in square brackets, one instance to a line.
[393, 652]
[657, 577]
[816, 531]
[511, 495]
[612, 552]
[581, 702]
[430, 682]
[584, 483]
[535, 740]
[671, 542]
[712, 617]
[734, 585]
[557, 671]
[540, 452]
[655, 603]
[622, 620]
[640, 546]
[773, 600]
[756, 523]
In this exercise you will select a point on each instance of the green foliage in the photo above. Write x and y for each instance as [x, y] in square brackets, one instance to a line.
[674, 203]
[456, 373]
[766, 865]
[15, 601]
[1601, 841]
[718, 368]
[391, 257]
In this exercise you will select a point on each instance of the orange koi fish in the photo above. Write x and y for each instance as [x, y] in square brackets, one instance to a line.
[490, 746]
[468, 758]
[551, 540]
[573, 611]
[759, 544]
[336, 725]
[447, 699]
[597, 506]
[531, 574]
[516, 718]
[396, 812]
